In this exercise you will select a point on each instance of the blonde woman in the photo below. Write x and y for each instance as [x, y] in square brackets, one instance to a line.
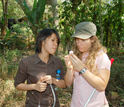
[88, 68]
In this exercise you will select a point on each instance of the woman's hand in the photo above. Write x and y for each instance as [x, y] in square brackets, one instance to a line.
[68, 62]
[40, 86]
[76, 62]
[48, 79]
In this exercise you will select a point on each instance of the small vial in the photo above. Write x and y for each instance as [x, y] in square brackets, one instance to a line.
[70, 52]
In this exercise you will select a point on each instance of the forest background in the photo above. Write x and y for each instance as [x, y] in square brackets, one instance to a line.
[21, 20]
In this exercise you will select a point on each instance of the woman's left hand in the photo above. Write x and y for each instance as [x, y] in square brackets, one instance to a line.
[48, 79]
[76, 62]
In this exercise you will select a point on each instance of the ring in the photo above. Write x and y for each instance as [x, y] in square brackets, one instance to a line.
[73, 60]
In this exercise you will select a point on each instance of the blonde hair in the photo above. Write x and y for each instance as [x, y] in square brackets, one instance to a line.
[93, 52]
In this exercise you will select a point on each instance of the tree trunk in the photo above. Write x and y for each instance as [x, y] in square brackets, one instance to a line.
[4, 19]
[55, 11]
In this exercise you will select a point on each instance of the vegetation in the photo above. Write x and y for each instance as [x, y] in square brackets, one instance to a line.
[19, 43]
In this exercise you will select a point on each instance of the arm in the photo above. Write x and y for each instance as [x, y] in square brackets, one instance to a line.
[25, 87]
[21, 76]
[39, 86]
[59, 83]
[69, 77]
[98, 81]
[69, 73]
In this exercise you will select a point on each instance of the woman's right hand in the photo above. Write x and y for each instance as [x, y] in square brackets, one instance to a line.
[68, 62]
[40, 86]
[70, 71]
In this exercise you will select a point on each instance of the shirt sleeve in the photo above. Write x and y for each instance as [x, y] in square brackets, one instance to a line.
[21, 75]
[102, 61]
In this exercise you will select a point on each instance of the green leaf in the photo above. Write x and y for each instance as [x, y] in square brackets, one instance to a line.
[26, 6]
[17, 1]
[28, 12]
[40, 9]
[34, 10]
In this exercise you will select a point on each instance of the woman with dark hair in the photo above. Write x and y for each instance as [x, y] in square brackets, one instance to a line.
[40, 72]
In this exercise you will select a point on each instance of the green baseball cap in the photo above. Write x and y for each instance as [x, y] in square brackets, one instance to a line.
[85, 30]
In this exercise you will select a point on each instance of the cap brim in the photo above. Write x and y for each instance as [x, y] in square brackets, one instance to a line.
[81, 36]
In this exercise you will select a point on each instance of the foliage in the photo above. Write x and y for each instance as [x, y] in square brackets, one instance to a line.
[36, 13]
[9, 96]
[66, 24]
[1, 9]
[14, 10]
[112, 21]
[34, 16]
[68, 20]
[8, 63]
[13, 40]
[115, 90]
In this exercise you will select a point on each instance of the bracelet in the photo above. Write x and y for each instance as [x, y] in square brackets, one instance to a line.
[82, 71]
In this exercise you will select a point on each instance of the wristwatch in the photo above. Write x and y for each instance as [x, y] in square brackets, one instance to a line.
[82, 71]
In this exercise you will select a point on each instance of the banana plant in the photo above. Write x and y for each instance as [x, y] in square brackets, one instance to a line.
[34, 15]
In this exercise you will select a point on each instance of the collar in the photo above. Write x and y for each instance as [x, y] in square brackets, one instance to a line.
[37, 59]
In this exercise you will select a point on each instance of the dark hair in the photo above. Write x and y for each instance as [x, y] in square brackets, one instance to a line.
[42, 35]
